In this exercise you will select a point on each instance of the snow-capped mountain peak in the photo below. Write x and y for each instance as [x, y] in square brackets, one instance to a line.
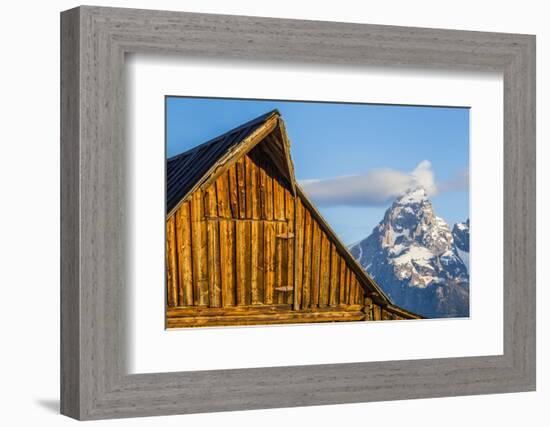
[413, 256]
[413, 196]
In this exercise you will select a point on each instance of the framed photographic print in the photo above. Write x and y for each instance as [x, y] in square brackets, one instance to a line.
[261, 213]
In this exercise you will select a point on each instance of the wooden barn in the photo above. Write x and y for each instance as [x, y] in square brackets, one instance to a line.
[245, 245]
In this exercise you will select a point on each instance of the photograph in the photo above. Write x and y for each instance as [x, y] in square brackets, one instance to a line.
[292, 212]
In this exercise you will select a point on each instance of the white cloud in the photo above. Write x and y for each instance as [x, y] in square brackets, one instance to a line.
[423, 175]
[376, 187]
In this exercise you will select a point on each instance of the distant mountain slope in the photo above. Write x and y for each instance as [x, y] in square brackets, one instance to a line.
[412, 254]
[461, 236]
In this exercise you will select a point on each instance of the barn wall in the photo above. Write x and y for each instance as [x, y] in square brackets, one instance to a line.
[245, 251]
[323, 277]
[232, 244]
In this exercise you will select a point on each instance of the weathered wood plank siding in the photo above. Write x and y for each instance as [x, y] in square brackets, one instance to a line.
[290, 244]
[247, 250]
[171, 264]
[184, 255]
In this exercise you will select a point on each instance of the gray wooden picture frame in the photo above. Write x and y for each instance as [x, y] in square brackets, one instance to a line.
[94, 382]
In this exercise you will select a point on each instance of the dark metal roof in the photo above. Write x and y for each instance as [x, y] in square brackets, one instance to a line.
[184, 170]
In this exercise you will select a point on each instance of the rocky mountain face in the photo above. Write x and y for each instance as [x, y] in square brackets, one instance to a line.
[461, 236]
[417, 260]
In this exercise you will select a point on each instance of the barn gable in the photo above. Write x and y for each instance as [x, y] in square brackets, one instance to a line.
[204, 163]
[246, 246]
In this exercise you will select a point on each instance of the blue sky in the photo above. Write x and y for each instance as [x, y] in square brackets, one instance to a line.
[334, 140]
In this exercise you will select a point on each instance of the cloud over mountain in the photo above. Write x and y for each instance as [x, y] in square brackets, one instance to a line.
[376, 187]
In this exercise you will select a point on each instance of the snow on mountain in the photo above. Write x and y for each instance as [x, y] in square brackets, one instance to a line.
[461, 235]
[412, 254]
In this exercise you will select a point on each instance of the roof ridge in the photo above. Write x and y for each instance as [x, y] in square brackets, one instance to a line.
[260, 118]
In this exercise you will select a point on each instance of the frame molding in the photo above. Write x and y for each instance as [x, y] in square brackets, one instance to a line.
[94, 41]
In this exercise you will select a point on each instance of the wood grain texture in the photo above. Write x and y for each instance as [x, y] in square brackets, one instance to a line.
[227, 249]
[299, 250]
[232, 255]
[71, 389]
[184, 255]
[200, 249]
[240, 264]
[272, 319]
[256, 270]
[94, 272]
[306, 263]
[315, 265]
[289, 206]
[236, 246]
[171, 265]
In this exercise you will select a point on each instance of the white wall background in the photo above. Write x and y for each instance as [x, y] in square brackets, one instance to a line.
[29, 216]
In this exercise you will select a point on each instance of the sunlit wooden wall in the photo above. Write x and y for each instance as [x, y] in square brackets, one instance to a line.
[246, 250]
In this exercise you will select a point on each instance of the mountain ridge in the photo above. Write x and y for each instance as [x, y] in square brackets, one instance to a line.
[412, 254]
